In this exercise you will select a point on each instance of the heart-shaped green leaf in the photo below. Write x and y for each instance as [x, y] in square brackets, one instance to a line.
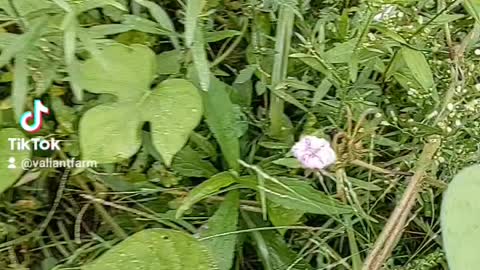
[461, 220]
[110, 132]
[9, 173]
[158, 249]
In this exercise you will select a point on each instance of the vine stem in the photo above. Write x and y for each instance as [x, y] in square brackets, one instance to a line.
[393, 229]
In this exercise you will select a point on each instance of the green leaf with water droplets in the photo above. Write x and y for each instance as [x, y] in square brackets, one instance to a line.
[8, 176]
[111, 132]
[158, 249]
[460, 219]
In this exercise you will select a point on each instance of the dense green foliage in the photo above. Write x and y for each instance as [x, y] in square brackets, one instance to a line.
[191, 107]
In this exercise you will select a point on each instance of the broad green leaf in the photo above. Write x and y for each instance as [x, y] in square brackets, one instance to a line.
[419, 67]
[204, 190]
[127, 72]
[221, 119]
[460, 219]
[173, 108]
[8, 176]
[188, 162]
[20, 86]
[109, 133]
[158, 249]
[272, 249]
[224, 220]
[297, 195]
[194, 10]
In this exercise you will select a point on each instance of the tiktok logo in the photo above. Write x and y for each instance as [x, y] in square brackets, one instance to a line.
[36, 116]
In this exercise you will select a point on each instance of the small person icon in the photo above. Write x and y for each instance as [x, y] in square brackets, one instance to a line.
[12, 163]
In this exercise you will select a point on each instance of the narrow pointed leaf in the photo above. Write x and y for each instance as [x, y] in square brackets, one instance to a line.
[224, 220]
[221, 118]
[205, 189]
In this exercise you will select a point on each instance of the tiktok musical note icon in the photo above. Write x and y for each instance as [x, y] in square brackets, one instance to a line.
[36, 116]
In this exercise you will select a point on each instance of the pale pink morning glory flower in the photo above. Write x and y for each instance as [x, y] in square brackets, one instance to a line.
[314, 153]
